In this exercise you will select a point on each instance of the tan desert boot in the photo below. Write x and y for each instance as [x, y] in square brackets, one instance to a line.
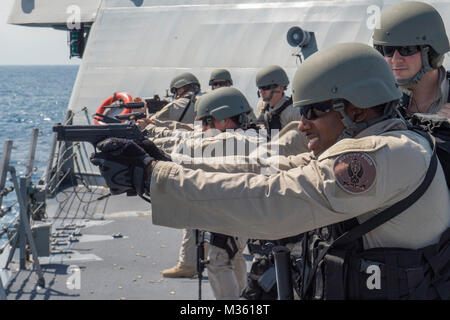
[180, 271]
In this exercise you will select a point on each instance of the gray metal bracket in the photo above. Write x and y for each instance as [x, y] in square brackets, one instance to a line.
[22, 187]
[24, 226]
[2, 291]
[7, 147]
[4, 164]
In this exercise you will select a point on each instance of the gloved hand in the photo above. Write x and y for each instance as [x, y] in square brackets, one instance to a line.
[153, 150]
[122, 163]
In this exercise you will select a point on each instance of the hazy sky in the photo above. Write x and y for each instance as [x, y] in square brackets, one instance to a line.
[28, 45]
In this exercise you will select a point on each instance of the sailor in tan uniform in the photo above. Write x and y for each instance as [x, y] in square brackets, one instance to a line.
[413, 40]
[185, 88]
[221, 110]
[164, 128]
[363, 161]
[224, 108]
[275, 109]
[220, 78]
[165, 134]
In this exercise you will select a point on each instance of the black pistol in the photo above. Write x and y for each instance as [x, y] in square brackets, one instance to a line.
[96, 133]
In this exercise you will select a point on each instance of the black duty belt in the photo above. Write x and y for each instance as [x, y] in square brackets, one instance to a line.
[223, 241]
[265, 246]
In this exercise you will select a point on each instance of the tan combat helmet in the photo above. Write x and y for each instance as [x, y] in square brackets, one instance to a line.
[272, 75]
[221, 74]
[413, 23]
[353, 72]
[223, 103]
[182, 80]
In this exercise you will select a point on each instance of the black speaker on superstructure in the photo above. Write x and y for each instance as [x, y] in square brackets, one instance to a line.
[305, 40]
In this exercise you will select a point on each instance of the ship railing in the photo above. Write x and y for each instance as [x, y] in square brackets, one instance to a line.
[29, 198]
[66, 164]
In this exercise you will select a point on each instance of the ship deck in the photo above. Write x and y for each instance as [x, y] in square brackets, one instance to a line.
[112, 241]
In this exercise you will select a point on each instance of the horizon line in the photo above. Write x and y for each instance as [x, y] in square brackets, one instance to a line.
[39, 65]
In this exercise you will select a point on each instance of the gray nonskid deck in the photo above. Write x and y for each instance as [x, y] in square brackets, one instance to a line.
[113, 268]
[119, 252]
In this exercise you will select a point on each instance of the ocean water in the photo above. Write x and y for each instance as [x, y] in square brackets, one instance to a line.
[31, 97]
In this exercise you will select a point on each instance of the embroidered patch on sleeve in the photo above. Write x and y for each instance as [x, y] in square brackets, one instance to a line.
[355, 172]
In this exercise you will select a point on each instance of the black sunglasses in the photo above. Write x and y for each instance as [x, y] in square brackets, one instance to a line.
[269, 87]
[219, 84]
[207, 121]
[315, 110]
[388, 51]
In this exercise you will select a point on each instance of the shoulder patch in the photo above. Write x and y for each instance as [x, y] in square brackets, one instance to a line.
[355, 172]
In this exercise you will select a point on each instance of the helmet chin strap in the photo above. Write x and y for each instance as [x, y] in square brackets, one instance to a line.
[210, 121]
[243, 120]
[272, 91]
[352, 127]
[405, 83]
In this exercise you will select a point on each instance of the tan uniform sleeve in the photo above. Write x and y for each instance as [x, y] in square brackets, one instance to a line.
[174, 125]
[158, 132]
[224, 152]
[171, 111]
[167, 134]
[303, 198]
[178, 140]
[166, 143]
[247, 154]
[174, 110]
[259, 111]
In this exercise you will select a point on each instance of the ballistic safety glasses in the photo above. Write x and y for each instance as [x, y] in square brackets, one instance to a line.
[388, 51]
[269, 87]
[207, 121]
[316, 110]
[219, 84]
